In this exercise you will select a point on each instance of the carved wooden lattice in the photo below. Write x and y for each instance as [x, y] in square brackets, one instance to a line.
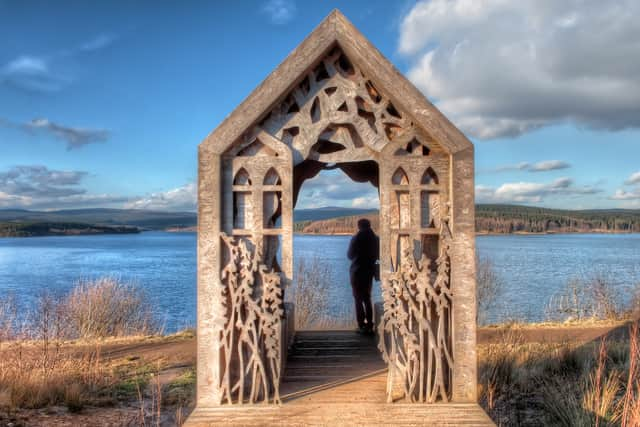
[334, 114]
[415, 329]
[251, 336]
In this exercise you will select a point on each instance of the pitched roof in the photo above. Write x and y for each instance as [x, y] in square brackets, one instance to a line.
[336, 28]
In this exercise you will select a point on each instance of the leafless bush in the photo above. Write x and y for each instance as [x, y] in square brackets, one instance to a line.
[311, 292]
[593, 297]
[108, 307]
[8, 318]
[488, 288]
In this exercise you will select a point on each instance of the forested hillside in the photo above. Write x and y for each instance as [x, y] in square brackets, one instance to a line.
[504, 219]
[525, 219]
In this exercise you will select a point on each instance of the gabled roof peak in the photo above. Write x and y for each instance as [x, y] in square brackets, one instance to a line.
[335, 29]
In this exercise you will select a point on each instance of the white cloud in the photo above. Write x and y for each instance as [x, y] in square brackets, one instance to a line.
[100, 42]
[634, 178]
[280, 11]
[366, 202]
[626, 195]
[502, 68]
[531, 192]
[75, 137]
[178, 199]
[36, 186]
[549, 165]
[43, 73]
[27, 65]
[543, 166]
[334, 188]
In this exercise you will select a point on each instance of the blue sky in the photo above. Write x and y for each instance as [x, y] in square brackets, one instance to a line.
[103, 104]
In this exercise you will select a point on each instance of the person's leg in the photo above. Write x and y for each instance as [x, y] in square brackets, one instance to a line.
[366, 301]
[360, 313]
[368, 306]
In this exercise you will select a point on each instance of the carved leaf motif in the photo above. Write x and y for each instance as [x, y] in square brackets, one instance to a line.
[413, 341]
[251, 334]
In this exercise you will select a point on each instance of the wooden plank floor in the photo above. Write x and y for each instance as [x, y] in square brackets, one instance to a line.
[338, 378]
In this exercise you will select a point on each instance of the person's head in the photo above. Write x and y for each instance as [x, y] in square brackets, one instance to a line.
[364, 224]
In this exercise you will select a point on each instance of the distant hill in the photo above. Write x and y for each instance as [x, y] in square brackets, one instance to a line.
[27, 229]
[529, 219]
[505, 219]
[327, 212]
[501, 219]
[152, 220]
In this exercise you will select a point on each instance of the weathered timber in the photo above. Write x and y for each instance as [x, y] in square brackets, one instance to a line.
[336, 103]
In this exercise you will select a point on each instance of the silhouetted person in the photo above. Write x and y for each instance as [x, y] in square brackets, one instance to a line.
[363, 252]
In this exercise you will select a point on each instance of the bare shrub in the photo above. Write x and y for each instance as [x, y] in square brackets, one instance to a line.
[108, 307]
[8, 318]
[593, 297]
[311, 292]
[488, 288]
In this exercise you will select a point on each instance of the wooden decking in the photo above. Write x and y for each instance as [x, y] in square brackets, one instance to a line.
[338, 378]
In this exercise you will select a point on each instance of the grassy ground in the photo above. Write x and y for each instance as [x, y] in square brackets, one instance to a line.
[527, 376]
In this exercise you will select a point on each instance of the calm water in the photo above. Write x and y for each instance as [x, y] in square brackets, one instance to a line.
[532, 268]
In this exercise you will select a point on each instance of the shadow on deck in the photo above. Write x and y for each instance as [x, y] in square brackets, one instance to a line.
[321, 360]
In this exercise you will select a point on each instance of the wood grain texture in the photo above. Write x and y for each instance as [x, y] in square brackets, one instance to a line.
[336, 102]
[340, 381]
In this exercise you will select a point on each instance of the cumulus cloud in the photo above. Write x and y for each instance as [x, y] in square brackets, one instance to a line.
[75, 137]
[633, 194]
[634, 178]
[43, 73]
[334, 188]
[280, 11]
[36, 186]
[178, 199]
[500, 68]
[531, 192]
[543, 166]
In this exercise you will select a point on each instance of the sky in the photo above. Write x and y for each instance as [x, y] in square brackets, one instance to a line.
[103, 104]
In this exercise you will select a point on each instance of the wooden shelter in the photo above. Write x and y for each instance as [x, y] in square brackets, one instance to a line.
[336, 102]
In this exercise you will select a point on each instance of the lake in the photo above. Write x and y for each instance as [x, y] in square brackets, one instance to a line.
[532, 267]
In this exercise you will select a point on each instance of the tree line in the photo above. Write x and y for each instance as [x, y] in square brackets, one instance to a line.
[507, 219]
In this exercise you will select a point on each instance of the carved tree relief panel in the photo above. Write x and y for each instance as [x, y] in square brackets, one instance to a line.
[415, 331]
[251, 335]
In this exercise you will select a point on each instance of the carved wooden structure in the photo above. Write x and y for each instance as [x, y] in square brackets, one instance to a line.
[336, 102]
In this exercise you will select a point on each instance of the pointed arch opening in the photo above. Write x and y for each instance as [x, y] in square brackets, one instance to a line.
[400, 177]
[272, 177]
[429, 177]
[242, 177]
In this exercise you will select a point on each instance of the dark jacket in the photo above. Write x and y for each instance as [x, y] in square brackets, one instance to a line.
[364, 251]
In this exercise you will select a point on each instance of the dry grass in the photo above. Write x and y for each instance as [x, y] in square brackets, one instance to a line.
[39, 367]
[595, 384]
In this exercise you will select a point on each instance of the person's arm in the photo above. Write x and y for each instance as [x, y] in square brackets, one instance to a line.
[351, 253]
[377, 248]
